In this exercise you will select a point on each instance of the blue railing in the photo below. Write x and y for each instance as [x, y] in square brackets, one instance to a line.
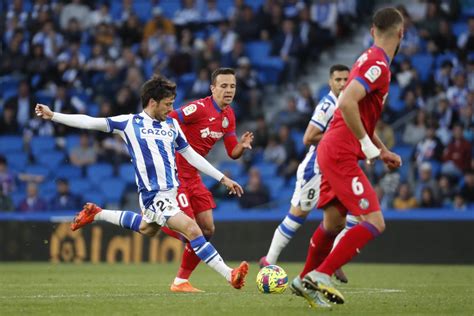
[263, 215]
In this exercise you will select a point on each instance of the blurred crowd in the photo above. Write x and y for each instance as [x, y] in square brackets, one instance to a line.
[91, 57]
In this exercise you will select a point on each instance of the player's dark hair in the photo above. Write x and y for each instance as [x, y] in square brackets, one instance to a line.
[338, 67]
[221, 71]
[387, 19]
[157, 88]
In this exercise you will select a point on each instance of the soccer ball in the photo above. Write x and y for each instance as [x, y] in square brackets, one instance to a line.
[272, 279]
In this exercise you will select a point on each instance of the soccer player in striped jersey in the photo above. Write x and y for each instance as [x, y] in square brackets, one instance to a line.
[308, 177]
[152, 140]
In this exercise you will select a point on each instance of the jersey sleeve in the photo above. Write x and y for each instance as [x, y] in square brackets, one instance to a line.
[373, 74]
[322, 114]
[118, 123]
[187, 114]
[230, 137]
[181, 142]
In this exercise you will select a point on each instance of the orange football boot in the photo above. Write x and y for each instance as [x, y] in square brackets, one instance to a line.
[237, 279]
[86, 216]
[185, 287]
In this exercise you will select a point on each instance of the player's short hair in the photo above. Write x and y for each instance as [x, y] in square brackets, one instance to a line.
[157, 88]
[387, 19]
[221, 71]
[338, 67]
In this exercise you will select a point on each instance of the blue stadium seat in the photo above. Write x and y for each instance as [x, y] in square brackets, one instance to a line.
[94, 197]
[297, 137]
[143, 9]
[234, 167]
[17, 161]
[405, 151]
[423, 64]
[445, 57]
[9, 93]
[112, 189]
[459, 28]
[394, 101]
[255, 4]
[275, 184]
[186, 82]
[37, 170]
[68, 172]
[208, 181]
[72, 141]
[10, 144]
[323, 91]
[99, 171]
[257, 51]
[228, 206]
[50, 159]
[81, 185]
[266, 169]
[271, 69]
[17, 197]
[127, 172]
[170, 7]
[47, 190]
[44, 97]
[42, 144]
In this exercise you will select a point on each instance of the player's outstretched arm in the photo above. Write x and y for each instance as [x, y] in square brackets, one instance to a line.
[72, 120]
[391, 159]
[200, 163]
[239, 147]
[349, 106]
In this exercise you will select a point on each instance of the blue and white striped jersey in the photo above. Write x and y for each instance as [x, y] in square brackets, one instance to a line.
[152, 145]
[321, 118]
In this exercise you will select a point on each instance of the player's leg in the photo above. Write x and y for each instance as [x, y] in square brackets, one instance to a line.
[91, 212]
[305, 198]
[206, 251]
[351, 221]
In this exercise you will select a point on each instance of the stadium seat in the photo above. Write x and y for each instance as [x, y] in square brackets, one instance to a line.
[405, 151]
[10, 144]
[423, 64]
[275, 184]
[42, 144]
[394, 101]
[17, 197]
[127, 172]
[266, 169]
[297, 137]
[94, 197]
[323, 91]
[44, 97]
[37, 170]
[445, 57]
[47, 190]
[17, 161]
[170, 8]
[257, 51]
[72, 141]
[112, 189]
[271, 69]
[459, 28]
[68, 172]
[186, 82]
[143, 9]
[49, 159]
[235, 168]
[97, 172]
[80, 185]
[228, 206]
[255, 4]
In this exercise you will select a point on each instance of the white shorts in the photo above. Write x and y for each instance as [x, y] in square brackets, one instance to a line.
[306, 193]
[163, 207]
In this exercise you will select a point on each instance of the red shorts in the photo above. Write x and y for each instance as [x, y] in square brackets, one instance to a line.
[199, 197]
[343, 179]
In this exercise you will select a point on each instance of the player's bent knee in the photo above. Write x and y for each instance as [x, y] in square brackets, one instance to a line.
[147, 230]
[192, 230]
[208, 231]
[298, 212]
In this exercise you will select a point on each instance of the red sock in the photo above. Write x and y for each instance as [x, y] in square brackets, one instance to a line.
[189, 262]
[319, 247]
[354, 240]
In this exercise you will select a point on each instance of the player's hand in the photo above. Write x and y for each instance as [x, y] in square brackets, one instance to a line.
[370, 151]
[246, 140]
[391, 159]
[234, 187]
[43, 111]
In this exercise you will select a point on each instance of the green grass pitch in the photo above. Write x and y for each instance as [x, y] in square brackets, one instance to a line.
[86, 289]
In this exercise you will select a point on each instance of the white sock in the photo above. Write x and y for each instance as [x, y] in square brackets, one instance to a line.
[207, 253]
[218, 264]
[178, 281]
[283, 234]
[110, 216]
[351, 221]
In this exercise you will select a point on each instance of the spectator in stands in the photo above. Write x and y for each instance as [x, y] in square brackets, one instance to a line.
[429, 148]
[126, 101]
[287, 45]
[411, 39]
[444, 75]
[8, 122]
[415, 131]
[467, 190]
[7, 178]
[304, 101]
[226, 38]
[23, 104]
[290, 116]
[36, 127]
[249, 90]
[470, 75]
[134, 78]
[6, 203]
[404, 200]
[188, 15]
[64, 199]
[38, 64]
[466, 120]
[426, 180]
[100, 15]
[49, 39]
[457, 94]
[445, 115]
[428, 199]
[288, 168]
[16, 10]
[389, 183]
[325, 14]
[429, 25]
[256, 193]
[13, 59]
[385, 133]
[445, 40]
[131, 32]
[466, 39]
[32, 202]
[274, 151]
[261, 134]
[77, 10]
[85, 154]
[270, 18]
[114, 150]
[407, 74]
[158, 22]
[211, 13]
[457, 156]
[459, 203]
[446, 191]
[247, 27]
[73, 32]
[201, 85]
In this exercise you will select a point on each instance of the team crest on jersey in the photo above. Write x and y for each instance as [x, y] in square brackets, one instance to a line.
[190, 109]
[373, 73]
[225, 122]
[363, 204]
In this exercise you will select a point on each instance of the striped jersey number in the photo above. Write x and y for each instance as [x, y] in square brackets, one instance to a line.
[183, 200]
[357, 187]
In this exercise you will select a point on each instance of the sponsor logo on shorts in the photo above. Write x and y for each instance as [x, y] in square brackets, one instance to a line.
[364, 204]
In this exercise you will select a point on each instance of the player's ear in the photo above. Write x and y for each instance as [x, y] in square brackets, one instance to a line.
[372, 32]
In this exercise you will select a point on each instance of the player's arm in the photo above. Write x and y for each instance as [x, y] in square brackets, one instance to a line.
[234, 148]
[349, 106]
[391, 159]
[312, 135]
[72, 120]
